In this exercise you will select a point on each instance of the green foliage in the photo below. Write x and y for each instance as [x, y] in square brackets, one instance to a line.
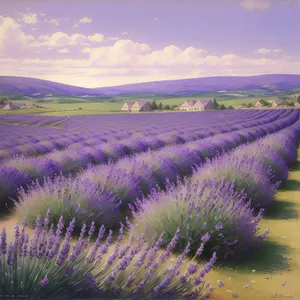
[222, 106]
[230, 107]
[154, 105]
[249, 105]
[290, 103]
[298, 99]
[167, 107]
[160, 106]
[3, 101]
[215, 104]
[264, 102]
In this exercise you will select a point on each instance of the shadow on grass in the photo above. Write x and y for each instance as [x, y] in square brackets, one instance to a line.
[269, 258]
[290, 185]
[281, 210]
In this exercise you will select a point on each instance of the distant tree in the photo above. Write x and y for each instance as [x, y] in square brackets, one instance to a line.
[222, 106]
[250, 105]
[298, 100]
[290, 103]
[230, 107]
[173, 107]
[264, 102]
[167, 107]
[215, 104]
[160, 106]
[3, 101]
[244, 104]
[154, 105]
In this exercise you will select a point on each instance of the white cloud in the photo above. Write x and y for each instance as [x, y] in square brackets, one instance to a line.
[97, 38]
[266, 51]
[30, 18]
[85, 20]
[110, 38]
[253, 5]
[86, 50]
[125, 32]
[75, 25]
[13, 41]
[34, 29]
[65, 50]
[62, 39]
[53, 21]
[42, 14]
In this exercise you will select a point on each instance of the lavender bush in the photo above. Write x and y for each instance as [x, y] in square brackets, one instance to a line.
[246, 173]
[206, 212]
[46, 266]
[70, 198]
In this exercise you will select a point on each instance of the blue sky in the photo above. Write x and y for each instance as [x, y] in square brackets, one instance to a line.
[104, 43]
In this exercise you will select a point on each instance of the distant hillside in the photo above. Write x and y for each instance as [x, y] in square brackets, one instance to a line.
[38, 88]
[209, 84]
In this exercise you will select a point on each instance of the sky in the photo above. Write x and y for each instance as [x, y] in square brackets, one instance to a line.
[97, 43]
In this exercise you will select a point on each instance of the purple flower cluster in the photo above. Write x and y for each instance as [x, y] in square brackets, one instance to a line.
[93, 271]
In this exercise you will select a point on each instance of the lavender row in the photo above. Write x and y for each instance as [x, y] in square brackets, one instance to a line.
[21, 171]
[38, 266]
[31, 120]
[104, 192]
[222, 196]
[15, 143]
[100, 153]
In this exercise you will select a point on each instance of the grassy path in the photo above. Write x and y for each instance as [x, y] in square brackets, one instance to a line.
[274, 272]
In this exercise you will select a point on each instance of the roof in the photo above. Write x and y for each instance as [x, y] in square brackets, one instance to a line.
[141, 103]
[278, 102]
[11, 105]
[204, 102]
[128, 103]
[190, 102]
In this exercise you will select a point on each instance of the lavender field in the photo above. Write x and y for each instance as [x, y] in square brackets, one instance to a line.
[142, 206]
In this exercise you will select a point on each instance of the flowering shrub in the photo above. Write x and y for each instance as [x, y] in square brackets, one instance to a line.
[246, 173]
[268, 157]
[70, 198]
[45, 265]
[206, 212]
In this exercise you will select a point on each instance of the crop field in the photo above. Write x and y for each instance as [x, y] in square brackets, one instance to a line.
[199, 205]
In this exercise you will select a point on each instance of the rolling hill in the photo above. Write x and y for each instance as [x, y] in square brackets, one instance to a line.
[38, 88]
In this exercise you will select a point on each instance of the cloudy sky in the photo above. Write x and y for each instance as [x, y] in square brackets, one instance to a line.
[93, 43]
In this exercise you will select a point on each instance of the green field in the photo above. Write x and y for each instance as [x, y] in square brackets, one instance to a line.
[71, 106]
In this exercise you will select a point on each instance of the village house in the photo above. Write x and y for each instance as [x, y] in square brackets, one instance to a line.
[259, 104]
[141, 105]
[203, 105]
[193, 105]
[188, 105]
[277, 103]
[10, 106]
[127, 106]
[297, 104]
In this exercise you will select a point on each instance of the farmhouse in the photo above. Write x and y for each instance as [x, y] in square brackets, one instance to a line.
[188, 105]
[127, 106]
[277, 103]
[141, 105]
[203, 105]
[258, 104]
[10, 106]
[192, 105]
[297, 104]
